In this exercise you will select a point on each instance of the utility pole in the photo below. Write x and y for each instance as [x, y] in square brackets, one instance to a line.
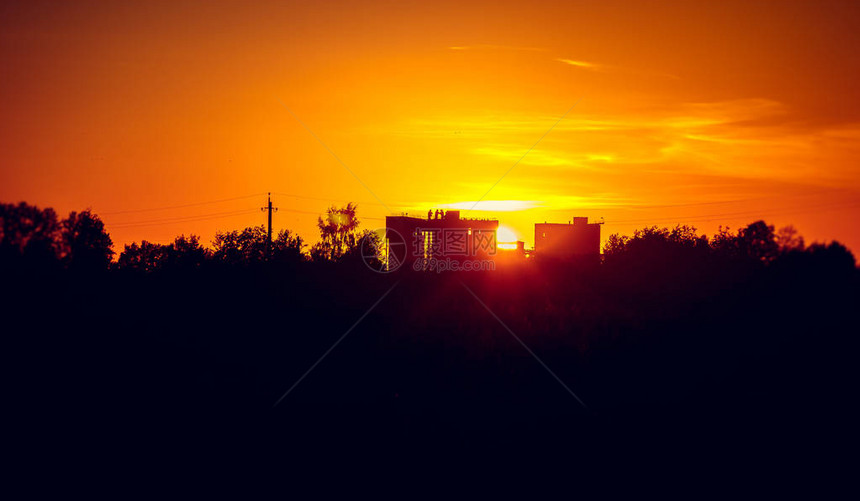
[270, 209]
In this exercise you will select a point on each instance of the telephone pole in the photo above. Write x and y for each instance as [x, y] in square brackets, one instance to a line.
[270, 209]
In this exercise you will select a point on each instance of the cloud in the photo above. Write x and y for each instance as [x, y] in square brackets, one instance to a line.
[743, 139]
[513, 153]
[493, 205]
[583, 64]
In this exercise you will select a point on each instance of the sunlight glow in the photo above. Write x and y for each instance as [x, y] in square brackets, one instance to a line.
[506, 235]
[493, 205]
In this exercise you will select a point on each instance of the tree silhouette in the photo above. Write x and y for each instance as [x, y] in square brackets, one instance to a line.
[655, 244]
[187, 253]
[338, 233]
[28, 233]
[723, 242]
[86, 244]
[287, 247]
[758, 241]
[237, 248]
[184, 253]
[370, 248]
[833, 257]
[616, 244]
[788, 239]
[146, 257]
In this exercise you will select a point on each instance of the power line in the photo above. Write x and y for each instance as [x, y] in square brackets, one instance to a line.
[244, 197]
[183, 219]
[328, 199]
[167, 207]
[303, 212]
[204, 217]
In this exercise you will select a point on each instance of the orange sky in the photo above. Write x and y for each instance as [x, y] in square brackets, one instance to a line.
[684, 113]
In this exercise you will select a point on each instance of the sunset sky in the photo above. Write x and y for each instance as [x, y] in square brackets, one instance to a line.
[177, 117]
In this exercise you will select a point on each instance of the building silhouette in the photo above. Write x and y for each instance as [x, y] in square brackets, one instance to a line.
[559, 240]
[441, 235]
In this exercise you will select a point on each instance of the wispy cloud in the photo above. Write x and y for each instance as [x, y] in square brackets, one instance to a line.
[493, 205]
[752, 138]
[583, 64]
[510, 153]
[587, 65]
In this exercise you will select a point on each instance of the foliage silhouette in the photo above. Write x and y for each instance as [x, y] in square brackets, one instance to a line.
[86, 245]
[245, 247]
[755, 243]
[674, 339]
[29, 236]
[146, 257]
[287, 248]
[34, 238]
[339, 234]
[788, 239]
[185, 253]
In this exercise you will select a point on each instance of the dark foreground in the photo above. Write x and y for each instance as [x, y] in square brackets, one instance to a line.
[743, 372]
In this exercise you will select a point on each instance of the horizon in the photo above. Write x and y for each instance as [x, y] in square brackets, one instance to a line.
[506, 234]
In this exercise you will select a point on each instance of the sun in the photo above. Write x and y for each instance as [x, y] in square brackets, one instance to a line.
[506, 235]
[506, 238]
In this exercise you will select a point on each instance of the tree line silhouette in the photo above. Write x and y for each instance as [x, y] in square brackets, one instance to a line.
[33, 238]
[707, 343]
[36, 237]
